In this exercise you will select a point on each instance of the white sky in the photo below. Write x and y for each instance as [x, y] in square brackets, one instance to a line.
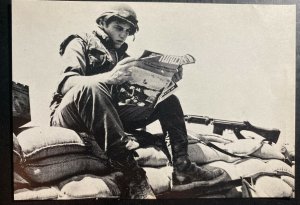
[245, 54]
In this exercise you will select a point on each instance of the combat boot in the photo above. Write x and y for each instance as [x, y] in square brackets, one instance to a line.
[136, 183]
[187, 172]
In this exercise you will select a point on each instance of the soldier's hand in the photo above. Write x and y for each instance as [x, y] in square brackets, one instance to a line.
[122, 72]
[178, 76]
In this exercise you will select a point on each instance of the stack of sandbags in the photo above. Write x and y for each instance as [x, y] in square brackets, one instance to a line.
[276, 180]
[109, 186]
[70, 165]
[279, 175]
[151, 158]
[246, 158]
[201, 150]
[52, 154]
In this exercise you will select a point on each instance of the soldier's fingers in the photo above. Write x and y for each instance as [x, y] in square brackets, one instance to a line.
[128, 66]
[124, 79]
[127, 73]
[127, 60]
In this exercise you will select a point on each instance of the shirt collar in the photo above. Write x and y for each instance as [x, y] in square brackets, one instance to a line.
[107, 42]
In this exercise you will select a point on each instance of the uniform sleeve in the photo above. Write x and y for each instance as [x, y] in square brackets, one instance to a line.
[73, 61]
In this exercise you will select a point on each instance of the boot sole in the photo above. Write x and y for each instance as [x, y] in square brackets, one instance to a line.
[187, 184]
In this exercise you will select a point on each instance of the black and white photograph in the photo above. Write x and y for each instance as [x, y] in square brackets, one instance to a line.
[152, 100]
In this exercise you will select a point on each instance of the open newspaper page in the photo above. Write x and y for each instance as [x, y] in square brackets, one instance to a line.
[152, 79]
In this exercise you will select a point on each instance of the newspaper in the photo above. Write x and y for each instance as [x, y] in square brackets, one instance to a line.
[152, 79]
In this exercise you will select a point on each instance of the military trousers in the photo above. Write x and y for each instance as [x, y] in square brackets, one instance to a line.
[92, 109]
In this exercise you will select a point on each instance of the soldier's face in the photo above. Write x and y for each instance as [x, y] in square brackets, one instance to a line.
[118, 32]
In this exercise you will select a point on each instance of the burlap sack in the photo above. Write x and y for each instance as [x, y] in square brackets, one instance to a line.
[151, 157]
[230, 168]
[266, 151]
[267, 186]
[241, 147]
[159, 178]
[250, 166]
[20, 182]
[202, 154]
[52, 169]
[40, 193]
[42, 142]
[91, 186]
[275, 165]
[17, 151]
[289, 180]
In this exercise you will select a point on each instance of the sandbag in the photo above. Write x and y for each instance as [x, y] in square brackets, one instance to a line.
[202, 154]
[40, 193]
[233, 173]
[60, 167]
[275, 165]
[266, 151]
[241, 147]
[159, 178]
[230, 168]
[20, 182]
[248, 190]
[194, 137]
[288, 150]
[267, 186]
[249, 166]
[151, 157]
[17, 151]
[41, 142]
[289, 180]
[91, 186]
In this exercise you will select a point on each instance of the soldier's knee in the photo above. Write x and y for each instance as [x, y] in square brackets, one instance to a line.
[172, 100]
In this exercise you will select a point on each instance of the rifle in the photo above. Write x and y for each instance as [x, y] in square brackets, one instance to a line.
[270, 135]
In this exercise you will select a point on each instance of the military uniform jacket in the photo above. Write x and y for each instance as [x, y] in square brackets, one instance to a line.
[86, 55]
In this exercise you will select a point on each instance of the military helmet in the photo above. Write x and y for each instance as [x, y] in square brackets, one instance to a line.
[123, 12]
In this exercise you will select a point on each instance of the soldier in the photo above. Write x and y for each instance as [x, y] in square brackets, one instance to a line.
[86, 100]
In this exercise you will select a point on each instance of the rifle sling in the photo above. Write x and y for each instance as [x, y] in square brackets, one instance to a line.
[223, 151]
